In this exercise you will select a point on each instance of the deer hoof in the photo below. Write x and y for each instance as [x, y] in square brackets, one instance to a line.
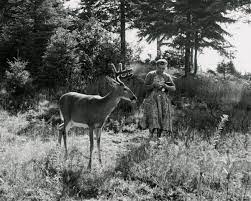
[100, 163]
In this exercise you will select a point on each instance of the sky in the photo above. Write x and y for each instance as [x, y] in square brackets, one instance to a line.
[241, 40]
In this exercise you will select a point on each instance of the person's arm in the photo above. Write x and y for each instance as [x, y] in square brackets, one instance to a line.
[149, 82]
[170, 87]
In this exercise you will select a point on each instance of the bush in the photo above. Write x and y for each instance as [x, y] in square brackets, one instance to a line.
[227, 68]
[209, 98]
[61, 60]
[74, 57]
[197, 171]
[18, 86]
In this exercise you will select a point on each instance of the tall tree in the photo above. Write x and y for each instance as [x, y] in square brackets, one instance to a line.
[112, 14]
[80, 55]
[6, 10]
[123, 32]
[189, 24]
[26, 27]
[227, 68]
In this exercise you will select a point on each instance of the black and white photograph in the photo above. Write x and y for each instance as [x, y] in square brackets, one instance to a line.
[125, 100]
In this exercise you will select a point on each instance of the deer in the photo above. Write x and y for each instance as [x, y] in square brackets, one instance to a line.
[91, 111]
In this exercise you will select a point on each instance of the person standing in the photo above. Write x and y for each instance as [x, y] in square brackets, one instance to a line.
[157, 108]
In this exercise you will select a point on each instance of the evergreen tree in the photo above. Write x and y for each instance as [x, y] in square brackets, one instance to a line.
[113, 16]
[74, 57]
[26, 27]
[227, 68]
[190, 25]
[107, 12]
[61, 60]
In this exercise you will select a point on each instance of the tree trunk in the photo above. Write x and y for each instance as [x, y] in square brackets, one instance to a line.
[158, 48]
[187, 58]
[195, 61]
[188, 47]
[191, 58]
[195, 54]
[122, 32]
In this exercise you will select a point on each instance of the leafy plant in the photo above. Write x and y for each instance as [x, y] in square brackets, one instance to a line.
[61, 61]
[17, 76]
[226, 68]
[219, 129]
[18, 85]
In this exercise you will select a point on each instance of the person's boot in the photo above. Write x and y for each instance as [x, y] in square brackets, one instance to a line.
[159, 131]
[151, 133]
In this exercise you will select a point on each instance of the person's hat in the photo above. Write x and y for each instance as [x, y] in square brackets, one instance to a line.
[161, 61]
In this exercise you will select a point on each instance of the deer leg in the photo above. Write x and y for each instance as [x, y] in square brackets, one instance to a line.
[61, 130]
[91, 147]
[65, 130]
[98, 135]
[65, 144]
[62, 133]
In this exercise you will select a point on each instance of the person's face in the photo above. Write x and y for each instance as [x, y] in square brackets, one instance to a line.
[161, 67]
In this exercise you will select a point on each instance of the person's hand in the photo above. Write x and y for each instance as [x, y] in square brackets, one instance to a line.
[166, 86]
[157, 85]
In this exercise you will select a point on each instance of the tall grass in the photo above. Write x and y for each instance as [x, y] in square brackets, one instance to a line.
[185, 169]
[231, 97]
[197, 172]
[33, 168]
[215, 89]
[37, 170]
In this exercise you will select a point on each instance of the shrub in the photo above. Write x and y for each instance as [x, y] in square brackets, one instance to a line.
[218, 97]
[227, 68]
[61, 60]
[197, 171]
[18, 86]
[74, 57]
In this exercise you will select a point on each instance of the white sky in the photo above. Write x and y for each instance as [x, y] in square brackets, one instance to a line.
[241, 39]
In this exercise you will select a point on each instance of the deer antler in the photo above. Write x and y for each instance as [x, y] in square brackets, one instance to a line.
[124, 73]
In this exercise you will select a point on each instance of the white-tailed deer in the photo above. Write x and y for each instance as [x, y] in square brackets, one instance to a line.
[91, 111]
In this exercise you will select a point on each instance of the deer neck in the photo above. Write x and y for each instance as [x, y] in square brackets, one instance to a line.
[110, 101]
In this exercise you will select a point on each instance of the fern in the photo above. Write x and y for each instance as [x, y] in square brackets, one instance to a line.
[220, 127]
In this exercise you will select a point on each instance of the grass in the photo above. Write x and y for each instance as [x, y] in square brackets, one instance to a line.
[134, 168]
[34, 168]
[209, 98]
